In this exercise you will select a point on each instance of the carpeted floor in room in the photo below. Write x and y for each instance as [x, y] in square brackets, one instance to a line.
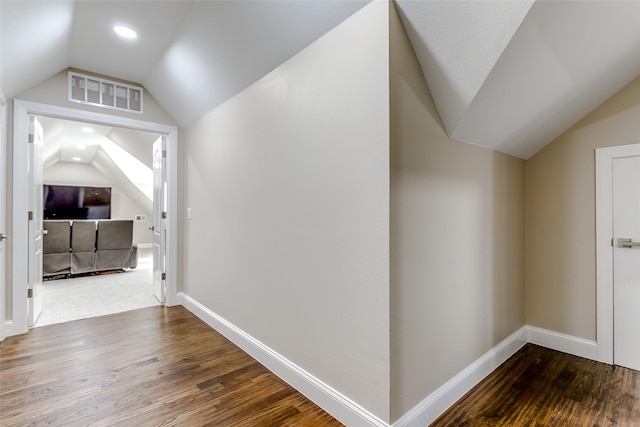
[90, 296]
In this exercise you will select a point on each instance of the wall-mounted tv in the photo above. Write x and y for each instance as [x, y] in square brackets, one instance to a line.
[76, 202]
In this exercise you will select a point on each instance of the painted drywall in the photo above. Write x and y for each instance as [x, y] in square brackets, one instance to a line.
[457, 241]
[566, 58]
[54, 91]
[138, 144]
[561, 253]
[457, 44]
[122, 206]
[288, 183]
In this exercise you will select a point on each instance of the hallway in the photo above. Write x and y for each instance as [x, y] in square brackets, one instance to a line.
[148, 367]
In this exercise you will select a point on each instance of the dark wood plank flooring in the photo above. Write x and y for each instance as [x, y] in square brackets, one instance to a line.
[538, 387]
[163, 366]
[151, 367]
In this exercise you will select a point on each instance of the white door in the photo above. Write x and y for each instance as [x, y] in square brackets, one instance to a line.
[36, 137]
[626, 262]
[159, 215]
[3, 212]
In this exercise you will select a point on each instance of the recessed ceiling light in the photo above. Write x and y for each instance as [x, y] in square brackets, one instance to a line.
[76, 159]
[81, 147]
[87, 129]
[125, 32]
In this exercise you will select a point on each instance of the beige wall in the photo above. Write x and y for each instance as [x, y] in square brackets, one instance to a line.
[53, 91]
[457, 241]
[561, 260]
[289, 188]
[122, 206]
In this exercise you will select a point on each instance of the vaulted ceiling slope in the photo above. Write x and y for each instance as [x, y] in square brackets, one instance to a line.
[79, 143]
[512, 76]
[509, 76]
[190, 55]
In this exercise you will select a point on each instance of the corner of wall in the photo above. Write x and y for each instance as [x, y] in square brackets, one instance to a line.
[444, 318]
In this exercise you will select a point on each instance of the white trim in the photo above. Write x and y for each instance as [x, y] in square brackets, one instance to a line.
[22, 109]
[561, 342]
[425, 412]
[19, 230]
[145, 245]
[604, 252]
[101, 81]
[339, 406]
[8, 328]
[4, 244]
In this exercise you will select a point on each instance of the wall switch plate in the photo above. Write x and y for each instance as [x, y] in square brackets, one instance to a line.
[188, 213]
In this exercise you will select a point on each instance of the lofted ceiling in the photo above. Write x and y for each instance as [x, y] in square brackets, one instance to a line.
[123, 155]
[509, 76]
[513, 75]
[190, 55]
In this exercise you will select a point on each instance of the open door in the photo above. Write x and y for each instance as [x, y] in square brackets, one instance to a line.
[35, 242]
[159, 217]
[3, 214]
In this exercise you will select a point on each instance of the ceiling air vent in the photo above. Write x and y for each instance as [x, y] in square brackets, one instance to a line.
[91, 90]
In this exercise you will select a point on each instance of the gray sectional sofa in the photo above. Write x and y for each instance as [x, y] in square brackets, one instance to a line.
[88, 246]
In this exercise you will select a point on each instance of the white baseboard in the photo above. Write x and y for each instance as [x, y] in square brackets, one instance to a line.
[350, 413]
[440, 400]
[7, 329]
[562, 342]
[339, 406]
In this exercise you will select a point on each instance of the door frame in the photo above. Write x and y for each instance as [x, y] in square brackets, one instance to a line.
[21, 111]
[604, 158]
[4, 111]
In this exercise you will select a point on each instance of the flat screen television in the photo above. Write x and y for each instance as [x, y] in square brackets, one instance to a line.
[76, 202]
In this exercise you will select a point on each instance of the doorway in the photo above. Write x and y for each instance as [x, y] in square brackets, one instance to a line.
[22, 111]
[618, 262]
[116, 163]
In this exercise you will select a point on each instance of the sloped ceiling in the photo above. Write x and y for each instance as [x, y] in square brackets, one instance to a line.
[512, 76]
[76, 142]
[509, 76]
[190, 55]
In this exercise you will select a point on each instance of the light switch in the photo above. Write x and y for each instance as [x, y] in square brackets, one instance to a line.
[188, 213]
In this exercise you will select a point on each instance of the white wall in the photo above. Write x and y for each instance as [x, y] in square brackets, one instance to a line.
[289, 188]
[457, 241]
[122, 206]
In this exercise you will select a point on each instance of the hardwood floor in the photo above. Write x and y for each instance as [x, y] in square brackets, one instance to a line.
[155, 366]
[162, 366]
[543, 388]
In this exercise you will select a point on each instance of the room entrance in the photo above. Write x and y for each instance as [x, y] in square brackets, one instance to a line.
[21, 224]
[95, 215]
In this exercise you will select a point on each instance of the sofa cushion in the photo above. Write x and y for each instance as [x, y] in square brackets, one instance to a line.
[53, 264]
[114, 234]
[83, 236]
[57, 238]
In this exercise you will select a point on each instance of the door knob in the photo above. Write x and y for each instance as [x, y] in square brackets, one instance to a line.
[627, 243]
[151, 228]
[3, 236]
